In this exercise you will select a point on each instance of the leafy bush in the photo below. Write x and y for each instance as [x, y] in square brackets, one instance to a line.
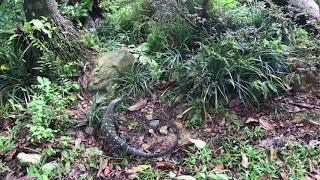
[47, 109]
[230, 65]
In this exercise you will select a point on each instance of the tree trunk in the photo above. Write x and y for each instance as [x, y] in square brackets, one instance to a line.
[66, 40]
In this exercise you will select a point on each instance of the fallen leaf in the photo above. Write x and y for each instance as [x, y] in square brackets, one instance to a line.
[77, 141]
[149, 116]
[218, 176]
[287, 86]
[250, 120]
[218, 167]
[307, 178]
[199, 143]
[234, 102]
[265, 124]
[131, 171]
[207, 130]
[89, 130]
[154, 124]
[103, 166]
[165, 165]
[172, 175]
[244, 161]
[10, 154]
[133, 176]
[140, 104]
[292, 109]
[314, 142]
[271, 142]
[151, 131]
[25, 178]
[185, 177]
[222, 122]
[164, 130]
[316, 177]
[264, 177]
[141, 168]
[273, 153]
[284, 175]
[314, 122]
[303, 105]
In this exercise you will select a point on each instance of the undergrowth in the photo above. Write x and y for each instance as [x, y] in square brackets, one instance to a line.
[236, 49]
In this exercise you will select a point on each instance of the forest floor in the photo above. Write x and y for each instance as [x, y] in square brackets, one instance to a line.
[279, 139]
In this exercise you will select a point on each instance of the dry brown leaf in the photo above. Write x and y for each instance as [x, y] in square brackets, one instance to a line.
[273, 153]
[264, 177]
[218, 167]
[317, 177]
[164, 130]
[303, 105]
[10, 154]
[77, 141]
[103, 166]
[292, 109]
[265, 124]
[165, 165]
[314, 142]
[307, 178]
[222, 122]
[89, 130]
[149, 142]
[234, 102]
[140, 104]
[250, 120]
[284, 175]
[24, 178]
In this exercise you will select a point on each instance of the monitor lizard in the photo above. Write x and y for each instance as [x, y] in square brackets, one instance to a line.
[108, 129]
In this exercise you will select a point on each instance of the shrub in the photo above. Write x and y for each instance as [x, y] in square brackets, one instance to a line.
[233, 66]
[47, 109]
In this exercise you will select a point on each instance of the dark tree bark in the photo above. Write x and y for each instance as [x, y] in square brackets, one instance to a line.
[66, 40]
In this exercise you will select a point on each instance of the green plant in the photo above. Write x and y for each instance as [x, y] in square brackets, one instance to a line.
[7, 142]
[252, 133]
[133, 125]
[138, 80]
[47, 110]
[233, 121]
[93, 156]
[77, 11]
[44, 171]
[89, 39]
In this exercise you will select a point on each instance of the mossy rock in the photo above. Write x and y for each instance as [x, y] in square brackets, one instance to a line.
[108, 67]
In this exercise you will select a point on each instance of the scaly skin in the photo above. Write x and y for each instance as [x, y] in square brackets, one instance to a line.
[108, 128]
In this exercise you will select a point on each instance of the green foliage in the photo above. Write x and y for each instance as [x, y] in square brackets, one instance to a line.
[45, 171]
[77, 11]
[89, 39]
[138, 80]
[7, 141]
[11, 13]
[47, 110]
[202, 159]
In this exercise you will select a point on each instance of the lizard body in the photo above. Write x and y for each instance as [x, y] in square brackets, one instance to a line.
[109, 130]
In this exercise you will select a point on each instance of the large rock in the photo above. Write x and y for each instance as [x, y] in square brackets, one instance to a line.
[107, 68]
[29, 158]
[308, 7]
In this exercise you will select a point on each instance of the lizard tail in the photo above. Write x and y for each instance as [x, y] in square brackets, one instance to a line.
[111, 107]
[133, 151]
[136, 152]
[125, 146]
